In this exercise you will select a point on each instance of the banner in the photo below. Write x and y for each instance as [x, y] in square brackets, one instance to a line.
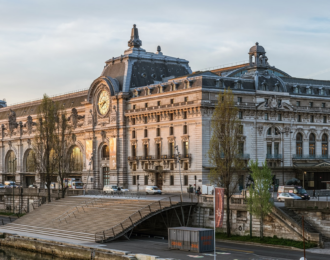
[113, 153]
[219, 206]
[89, 152]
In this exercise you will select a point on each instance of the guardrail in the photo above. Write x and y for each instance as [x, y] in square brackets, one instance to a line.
[309, 156]
[304, 204]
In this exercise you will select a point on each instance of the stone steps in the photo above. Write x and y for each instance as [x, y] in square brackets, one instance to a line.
[12, 228]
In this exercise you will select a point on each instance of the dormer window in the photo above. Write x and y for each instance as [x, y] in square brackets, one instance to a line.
[295, 90]
[321, 91]
[308, 91]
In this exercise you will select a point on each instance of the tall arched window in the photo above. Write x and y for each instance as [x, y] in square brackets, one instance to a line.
[76, 159]
[30, 161]
[312, 145]
[299, 144]
[324, 146]
[11, 162]
[105, 152]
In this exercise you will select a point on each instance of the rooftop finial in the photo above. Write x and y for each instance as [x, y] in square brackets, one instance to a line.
[159, 49]
[257, 43]
[134, 41]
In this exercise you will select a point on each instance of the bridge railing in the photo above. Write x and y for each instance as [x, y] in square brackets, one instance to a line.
[122, 227]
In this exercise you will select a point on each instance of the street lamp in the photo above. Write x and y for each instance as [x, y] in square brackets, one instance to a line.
[178, 161]
[13, 161]
[93, 143]
[304, 180]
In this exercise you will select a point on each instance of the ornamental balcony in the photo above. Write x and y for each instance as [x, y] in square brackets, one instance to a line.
[274, 156]
[310, 156]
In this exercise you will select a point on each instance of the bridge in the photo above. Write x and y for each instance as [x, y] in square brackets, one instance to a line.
[98, 218]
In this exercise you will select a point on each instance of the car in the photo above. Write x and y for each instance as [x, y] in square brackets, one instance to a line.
[298, 190]
[110, 188]
[10, 184]
[33, 186]
[123, 189]
[153, 190]
[287, 195]
[2, 186]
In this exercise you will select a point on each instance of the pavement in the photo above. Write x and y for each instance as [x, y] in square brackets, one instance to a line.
[225, 250]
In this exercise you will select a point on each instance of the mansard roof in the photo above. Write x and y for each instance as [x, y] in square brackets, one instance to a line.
[138, 68]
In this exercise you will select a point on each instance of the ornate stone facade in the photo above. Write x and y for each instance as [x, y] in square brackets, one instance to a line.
[145, 106]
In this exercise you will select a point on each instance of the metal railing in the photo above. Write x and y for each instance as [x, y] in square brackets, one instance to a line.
[310, 156]
[124, 226]
[240, 156]
[274, 156]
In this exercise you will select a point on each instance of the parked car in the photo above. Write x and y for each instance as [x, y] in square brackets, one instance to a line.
[286, 195]
[33, 186]
[153, 190]
[10, 184]
[298, 190]
[110, 188]
[123, 189]
[2, 186]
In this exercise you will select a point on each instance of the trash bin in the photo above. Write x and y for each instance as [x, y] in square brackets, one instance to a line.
[198, 240]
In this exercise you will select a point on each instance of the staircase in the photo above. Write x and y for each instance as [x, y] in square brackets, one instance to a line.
[88, 219]
[294, 222]
[298, 219]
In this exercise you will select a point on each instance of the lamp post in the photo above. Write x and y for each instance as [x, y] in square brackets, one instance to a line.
[89, 172]
[178, 161]
[13, 161]
[93, 143]
[304, 180]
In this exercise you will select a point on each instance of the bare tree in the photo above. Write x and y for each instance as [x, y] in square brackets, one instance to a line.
[63, 140]
[224, 153]
[44, 141]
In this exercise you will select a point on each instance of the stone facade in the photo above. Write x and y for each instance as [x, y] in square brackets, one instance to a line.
[147, 104]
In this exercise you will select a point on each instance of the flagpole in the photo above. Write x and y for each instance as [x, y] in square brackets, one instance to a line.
[215, 255]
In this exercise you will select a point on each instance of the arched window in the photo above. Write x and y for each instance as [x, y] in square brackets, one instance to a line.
[299, 144]
[30, 161]
[11, 162]
[76, 159]
[312, 145]
[105, 152]
[269, 131]
[324, 146]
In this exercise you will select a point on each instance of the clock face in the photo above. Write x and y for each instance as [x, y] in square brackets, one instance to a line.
[104, 102]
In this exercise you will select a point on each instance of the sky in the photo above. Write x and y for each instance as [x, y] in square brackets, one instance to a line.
[60, 46]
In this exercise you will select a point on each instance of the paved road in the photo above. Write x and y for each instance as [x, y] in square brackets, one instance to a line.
[225, 251]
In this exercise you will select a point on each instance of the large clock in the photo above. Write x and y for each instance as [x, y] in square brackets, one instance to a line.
[103, 102]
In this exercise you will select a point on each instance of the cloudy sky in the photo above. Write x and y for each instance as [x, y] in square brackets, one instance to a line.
[59, 46]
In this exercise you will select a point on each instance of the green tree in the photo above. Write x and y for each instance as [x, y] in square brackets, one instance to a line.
[224, 153]
[259, 198]
[44, 141]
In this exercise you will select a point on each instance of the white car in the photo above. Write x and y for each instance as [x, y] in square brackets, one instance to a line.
[110, 188]
[153, 190]
[123, 189]
[286, 195]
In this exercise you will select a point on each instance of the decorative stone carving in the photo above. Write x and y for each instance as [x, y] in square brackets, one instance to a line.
[145, 141]
[260, 129]
[103, 135]
[75, 118]
[171, 139]
[12, 121]
[29, 142]
[158, 140]
[185, 138]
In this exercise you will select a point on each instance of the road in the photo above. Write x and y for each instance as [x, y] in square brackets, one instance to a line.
[225, 251]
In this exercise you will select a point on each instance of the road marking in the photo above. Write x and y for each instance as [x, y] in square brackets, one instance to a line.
[222, 248]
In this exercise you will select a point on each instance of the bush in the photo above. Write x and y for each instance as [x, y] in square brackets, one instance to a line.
[267, 240]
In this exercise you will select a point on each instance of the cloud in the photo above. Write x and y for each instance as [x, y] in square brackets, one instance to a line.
[59, 46]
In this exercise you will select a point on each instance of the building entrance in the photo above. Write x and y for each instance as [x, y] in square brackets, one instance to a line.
[159, 180]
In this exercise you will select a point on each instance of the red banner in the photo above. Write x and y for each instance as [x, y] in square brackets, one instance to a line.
[219, 207]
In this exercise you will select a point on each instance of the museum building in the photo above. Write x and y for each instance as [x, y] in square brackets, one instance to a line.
[146, 107]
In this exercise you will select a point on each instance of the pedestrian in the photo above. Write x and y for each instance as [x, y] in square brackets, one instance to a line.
[314, 194]
[198, 191]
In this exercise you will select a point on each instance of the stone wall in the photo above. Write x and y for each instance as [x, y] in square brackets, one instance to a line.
[275, 224]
